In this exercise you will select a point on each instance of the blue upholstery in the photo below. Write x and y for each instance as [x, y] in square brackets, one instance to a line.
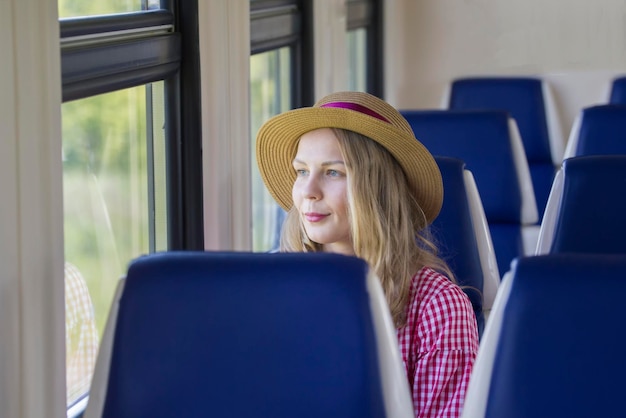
[454, 232]
[599, 130]
[618, 91]
[592, 213]
[542, 175]
[482, 140]
[507, 242]
[523, 98]
[245, 335]
[555, 346]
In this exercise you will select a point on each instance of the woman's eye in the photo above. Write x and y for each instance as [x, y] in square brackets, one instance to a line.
[333, 173]
[300, 172]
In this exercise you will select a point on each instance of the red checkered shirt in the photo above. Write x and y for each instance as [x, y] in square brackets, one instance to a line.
[438, 344]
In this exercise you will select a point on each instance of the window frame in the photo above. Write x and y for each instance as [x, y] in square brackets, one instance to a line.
[278, 23]
[368, 14]
[100, 54]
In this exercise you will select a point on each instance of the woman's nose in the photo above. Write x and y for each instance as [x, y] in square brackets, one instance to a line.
[311, 188]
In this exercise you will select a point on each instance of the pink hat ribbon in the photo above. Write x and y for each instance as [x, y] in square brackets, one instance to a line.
[356, 107]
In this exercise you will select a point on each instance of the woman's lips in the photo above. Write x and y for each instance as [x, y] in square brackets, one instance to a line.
[314, 217]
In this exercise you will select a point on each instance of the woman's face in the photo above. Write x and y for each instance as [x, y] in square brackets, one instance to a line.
[320, 192]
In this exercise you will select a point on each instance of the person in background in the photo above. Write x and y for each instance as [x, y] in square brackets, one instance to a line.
[354, 180]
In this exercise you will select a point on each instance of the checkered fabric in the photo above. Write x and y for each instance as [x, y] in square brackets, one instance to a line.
[81, 336]
[438, 345]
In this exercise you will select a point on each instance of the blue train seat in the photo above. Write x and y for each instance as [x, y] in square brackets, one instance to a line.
[463, 237]
[488, 143]
[585, 211]
[249, 335]
[530, 102]
[618, 91]
[553, 346]
[598, 130]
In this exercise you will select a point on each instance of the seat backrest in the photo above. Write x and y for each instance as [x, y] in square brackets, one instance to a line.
[553, 344]
[463, 237]
[585, 212]
[530, 102]
[598, 130]
[618, 91]
[488, 143]
[250, 335]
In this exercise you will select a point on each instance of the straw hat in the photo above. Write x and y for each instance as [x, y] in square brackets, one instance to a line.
[277, 142]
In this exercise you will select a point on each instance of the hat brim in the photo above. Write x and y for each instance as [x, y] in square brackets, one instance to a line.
[277, 142]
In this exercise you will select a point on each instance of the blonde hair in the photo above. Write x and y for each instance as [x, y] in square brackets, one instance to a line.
[388, 227]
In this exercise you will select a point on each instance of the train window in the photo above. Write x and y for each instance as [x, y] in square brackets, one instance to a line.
[270, 94]
[364, 40]
[114, 209]
[357, 60]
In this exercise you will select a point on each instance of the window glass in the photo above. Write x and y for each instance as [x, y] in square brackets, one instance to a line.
[270, 94]
[76, 8]
[357, 59]
[114, 209]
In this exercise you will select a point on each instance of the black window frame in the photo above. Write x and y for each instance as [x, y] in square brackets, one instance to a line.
[287, 23]
[368, 14]
[98, 56]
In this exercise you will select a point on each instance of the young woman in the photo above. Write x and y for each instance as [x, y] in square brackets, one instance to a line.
[355, 180]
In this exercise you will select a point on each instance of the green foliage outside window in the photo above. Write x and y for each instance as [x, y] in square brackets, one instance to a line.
[75, 8]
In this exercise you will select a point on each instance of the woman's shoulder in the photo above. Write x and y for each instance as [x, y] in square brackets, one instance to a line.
[433, 291]
[428, 283]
